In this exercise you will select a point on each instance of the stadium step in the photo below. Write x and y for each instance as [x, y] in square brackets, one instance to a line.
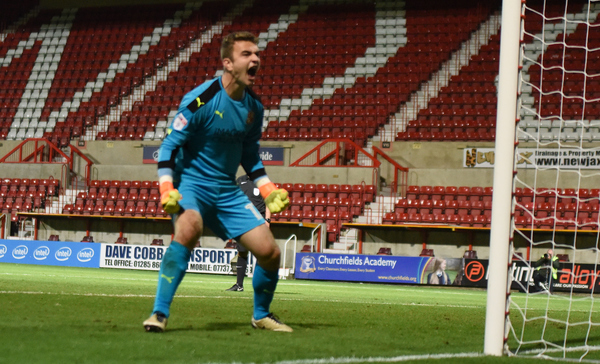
[339, 251]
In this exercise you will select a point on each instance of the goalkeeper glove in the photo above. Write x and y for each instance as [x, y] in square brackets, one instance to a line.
[169, 198]
[276, 199]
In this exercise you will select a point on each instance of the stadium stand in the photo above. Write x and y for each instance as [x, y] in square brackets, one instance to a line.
[346, 90]
[448, 205]
[66, 75]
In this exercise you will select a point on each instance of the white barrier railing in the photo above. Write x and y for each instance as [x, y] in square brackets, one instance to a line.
[283, 271]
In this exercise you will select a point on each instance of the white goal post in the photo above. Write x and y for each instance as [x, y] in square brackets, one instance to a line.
[498, 281]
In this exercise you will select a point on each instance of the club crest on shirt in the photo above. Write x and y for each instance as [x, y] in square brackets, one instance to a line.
[179, 122]
[250, 117]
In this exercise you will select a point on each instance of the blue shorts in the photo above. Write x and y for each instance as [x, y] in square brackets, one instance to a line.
[225, 210]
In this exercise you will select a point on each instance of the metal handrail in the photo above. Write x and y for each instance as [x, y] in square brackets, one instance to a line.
[314, 237]
[400, 182]
[292, 237]
[41, 150]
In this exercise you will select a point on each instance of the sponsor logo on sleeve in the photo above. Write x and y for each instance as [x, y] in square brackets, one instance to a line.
[41, 253]
[85, 255]
[63, 254]
[179, 122]
[20, 252]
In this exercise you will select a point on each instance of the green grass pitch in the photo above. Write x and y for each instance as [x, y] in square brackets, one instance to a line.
[78, 315]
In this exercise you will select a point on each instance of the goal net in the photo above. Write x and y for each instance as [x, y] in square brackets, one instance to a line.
[551, 305]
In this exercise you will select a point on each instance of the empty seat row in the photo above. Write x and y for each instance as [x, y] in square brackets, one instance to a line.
[444, 207]
[8, 207]
[29, 182]
[566, 210]
[449, 193]
[120, 187]
[118, 183]
[554, 223]
[31, 192]
[17, 187]
[22, 197]
[359, 137]
[477, 221]
[327, 217]
[114, 210]
[317, 204]
[524, 195]
[142, 195]
[448, 136]
[365, 193]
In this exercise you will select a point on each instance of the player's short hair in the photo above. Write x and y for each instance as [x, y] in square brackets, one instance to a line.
[230, 39]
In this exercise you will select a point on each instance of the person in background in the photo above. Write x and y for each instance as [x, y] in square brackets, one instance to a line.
[217, 128]
[546, 270]
[439, 275]
[240, 262]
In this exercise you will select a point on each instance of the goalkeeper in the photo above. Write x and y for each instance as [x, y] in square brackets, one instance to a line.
[217, 128]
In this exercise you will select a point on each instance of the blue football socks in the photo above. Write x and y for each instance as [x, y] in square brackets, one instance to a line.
[172, 269]
[264, 283]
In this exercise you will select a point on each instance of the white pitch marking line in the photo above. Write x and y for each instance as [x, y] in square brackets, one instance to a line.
[395, 359]
[237, 297]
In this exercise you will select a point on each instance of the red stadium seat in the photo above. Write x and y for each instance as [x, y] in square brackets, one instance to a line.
[344, 191]
[297, 190]
[121, 240]
[357, 192]
[320, 216]
[384, 251]
[427, 253]
[332, 232]
[333, 190]
[307, 216]
[389, 218]
[321, 191]
[309, 190]
[306, 249]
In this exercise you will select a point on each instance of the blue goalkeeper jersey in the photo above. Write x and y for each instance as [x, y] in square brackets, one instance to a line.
[211, 135]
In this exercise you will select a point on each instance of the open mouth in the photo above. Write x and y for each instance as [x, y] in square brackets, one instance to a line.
[252, 71]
